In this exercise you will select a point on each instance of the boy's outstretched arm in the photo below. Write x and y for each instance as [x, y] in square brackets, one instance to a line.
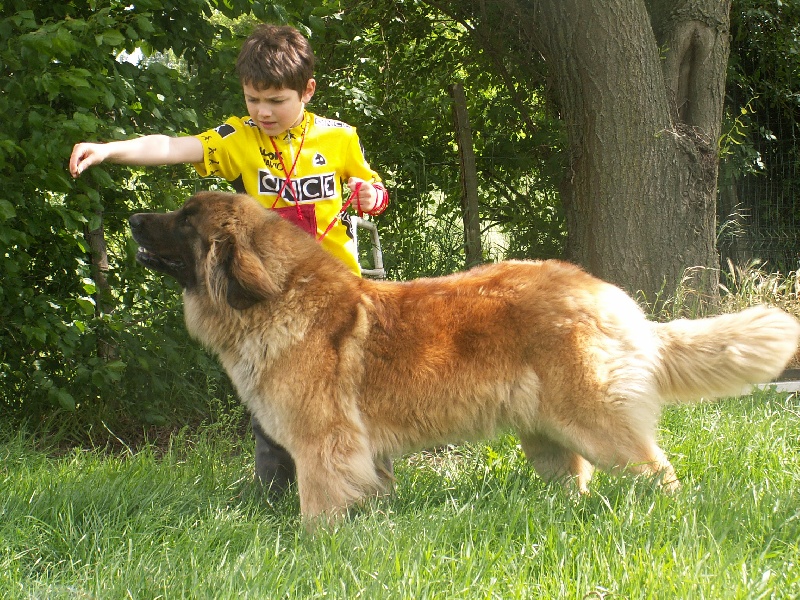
[146, 151]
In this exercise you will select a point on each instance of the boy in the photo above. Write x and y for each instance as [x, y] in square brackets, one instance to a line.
[287, 158]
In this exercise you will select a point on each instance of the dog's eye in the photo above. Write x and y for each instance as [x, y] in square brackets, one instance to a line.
[186, 215]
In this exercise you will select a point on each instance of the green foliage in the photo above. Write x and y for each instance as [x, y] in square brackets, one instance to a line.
[62, 83]
[759, 182]
[763, 78]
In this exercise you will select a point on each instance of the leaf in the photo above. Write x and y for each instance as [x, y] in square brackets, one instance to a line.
[7, 210]
[65, 399]
[111, 38]
[316, 23]
[144, 25]
[75, 80]
[87, 123]
[86, 306]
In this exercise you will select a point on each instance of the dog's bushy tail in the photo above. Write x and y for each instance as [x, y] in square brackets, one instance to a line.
[724, 355]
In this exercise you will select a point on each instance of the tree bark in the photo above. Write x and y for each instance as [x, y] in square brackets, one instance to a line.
[469, 178]
[640, 191]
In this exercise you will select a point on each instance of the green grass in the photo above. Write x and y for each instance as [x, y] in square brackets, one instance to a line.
[471, 521]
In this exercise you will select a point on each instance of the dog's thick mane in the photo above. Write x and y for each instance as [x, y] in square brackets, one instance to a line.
[261, 263]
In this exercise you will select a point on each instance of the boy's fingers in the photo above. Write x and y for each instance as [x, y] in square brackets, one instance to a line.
[353, 182]
[74, 162]
[82, 158]
[76, 170]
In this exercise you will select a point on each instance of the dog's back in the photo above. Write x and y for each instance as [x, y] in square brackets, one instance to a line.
[461, 356]
[568, 361]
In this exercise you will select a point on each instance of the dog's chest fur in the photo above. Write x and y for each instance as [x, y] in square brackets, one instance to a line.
[246, 346]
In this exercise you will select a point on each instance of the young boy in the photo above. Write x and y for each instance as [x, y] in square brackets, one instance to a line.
[286, 157]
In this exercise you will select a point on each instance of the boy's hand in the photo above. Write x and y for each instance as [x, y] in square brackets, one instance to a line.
[367, 195]
[84, 155]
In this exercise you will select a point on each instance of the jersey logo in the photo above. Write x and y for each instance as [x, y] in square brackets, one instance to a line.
[348, 224]
[323, 122]
[306, 189]
[319, 160]
[225, 130]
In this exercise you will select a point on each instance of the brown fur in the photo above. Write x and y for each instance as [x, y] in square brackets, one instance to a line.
[343, 371]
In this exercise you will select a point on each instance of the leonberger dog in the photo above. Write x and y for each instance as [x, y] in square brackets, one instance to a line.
[344, 372]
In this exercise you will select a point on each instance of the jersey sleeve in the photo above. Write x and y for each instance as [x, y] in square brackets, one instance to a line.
[219, 158]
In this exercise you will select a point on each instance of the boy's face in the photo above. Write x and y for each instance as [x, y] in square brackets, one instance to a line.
[276, 109]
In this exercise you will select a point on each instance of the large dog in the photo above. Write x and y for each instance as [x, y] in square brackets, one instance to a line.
[343, 371]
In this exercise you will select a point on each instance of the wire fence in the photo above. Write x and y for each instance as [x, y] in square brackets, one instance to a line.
[759, 211]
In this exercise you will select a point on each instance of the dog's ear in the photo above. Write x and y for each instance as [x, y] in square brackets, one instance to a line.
[248, 280]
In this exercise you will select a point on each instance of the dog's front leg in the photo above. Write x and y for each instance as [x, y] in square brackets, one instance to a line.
[333, 475]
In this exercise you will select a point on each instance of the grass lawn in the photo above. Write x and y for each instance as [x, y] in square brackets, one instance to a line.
[471, 521]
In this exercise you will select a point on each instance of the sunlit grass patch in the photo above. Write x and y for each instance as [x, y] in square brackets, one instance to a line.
[467, 521]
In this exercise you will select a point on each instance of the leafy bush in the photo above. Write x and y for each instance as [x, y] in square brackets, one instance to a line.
[74, 337]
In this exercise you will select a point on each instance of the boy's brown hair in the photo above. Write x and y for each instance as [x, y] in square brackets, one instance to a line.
[276, 56]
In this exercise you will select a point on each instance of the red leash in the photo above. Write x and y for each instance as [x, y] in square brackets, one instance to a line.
[293, 193]
[290, 172]
[344, 208]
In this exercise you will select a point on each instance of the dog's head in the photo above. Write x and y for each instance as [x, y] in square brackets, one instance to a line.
[214, 244]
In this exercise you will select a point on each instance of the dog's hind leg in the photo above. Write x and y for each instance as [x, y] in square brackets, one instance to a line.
[613, 444]
[648, 459]
[385, 470]
[274, 465]
[555, 462]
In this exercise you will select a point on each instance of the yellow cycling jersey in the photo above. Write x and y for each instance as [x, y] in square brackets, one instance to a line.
[325, 153]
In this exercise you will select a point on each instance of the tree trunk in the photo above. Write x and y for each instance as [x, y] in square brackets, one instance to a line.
[96, 238]
[469, 178]
[640, 189]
